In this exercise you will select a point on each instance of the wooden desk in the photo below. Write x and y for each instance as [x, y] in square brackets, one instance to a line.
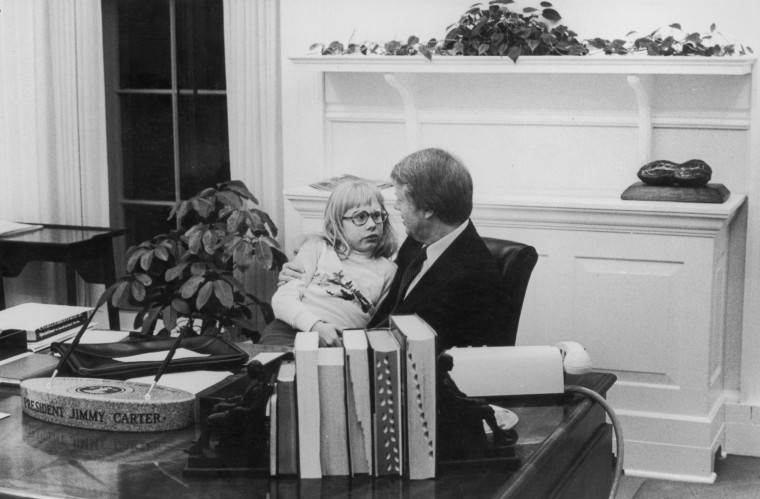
[87, 251]
[565, 449]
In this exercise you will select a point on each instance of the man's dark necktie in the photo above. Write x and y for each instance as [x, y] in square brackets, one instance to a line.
[410, 273]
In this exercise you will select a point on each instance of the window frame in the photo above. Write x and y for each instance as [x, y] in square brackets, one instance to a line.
[113, 92]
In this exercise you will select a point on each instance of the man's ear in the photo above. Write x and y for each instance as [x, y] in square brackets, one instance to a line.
[428, 214]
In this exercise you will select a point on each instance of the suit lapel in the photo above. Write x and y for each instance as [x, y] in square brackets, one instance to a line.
[452, 261]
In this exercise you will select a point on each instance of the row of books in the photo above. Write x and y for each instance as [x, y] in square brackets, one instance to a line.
[42, 323]
[28, 329]
[366, 408]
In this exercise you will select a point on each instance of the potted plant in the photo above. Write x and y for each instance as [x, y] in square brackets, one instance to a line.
[187, 273]
[494, 29]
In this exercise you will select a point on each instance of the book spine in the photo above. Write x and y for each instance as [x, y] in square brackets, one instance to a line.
[420, 410]
[332, 410]
[287, 436]
[274, 429]
[307, 402]
[359, 412]
[419, 380]
[56, 327]
[387, 437]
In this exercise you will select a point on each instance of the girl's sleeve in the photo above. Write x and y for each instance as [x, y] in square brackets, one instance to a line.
[390, 273]
[287, 300]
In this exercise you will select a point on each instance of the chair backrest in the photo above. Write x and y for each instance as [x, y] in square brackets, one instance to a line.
[515, 261]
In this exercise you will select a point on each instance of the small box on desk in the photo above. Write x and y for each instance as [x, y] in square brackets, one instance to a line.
[12, 343]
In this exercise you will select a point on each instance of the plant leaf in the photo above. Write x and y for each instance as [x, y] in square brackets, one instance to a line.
[194, 242]
[144, 279]
[134, 256]
[198, 268]
[176, 271]
[230, 198]
[551, 15]
[233, 221]
[119, 293]
[264, 255]
[161, 253]
[191, 286]
[223, 292]
[137, 290]
[169, 316]
[203, 206]
[181, 306]
[204, 294]
[514, 52]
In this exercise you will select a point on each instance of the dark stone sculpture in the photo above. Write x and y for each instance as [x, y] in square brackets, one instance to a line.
[692, 173]
[460, 421]
[239, 427]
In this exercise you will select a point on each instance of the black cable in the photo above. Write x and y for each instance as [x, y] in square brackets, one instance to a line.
[615, 424]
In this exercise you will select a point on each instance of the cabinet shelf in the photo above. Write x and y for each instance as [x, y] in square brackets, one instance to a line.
[640, 72]
[594, 64]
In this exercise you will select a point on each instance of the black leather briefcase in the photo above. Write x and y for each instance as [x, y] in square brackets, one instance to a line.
[112, 360]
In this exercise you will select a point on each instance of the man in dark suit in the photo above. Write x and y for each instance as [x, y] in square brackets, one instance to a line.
[445, 274]
[457, 289]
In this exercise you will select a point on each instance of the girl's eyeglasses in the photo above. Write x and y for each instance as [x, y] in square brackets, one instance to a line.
[361, 217]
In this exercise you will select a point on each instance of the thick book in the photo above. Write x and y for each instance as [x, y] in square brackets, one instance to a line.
[333, 432]
[273, 431]
[32, 365]
[287, 420]
[358, 401]
[305, 350]
[63, 336]
[418, 349]
[387, 408]
[42, 320]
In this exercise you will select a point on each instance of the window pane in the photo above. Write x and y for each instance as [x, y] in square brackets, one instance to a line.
[144, 222]
[147, 147]
[204, 150]
[200, 45]
[144, 44]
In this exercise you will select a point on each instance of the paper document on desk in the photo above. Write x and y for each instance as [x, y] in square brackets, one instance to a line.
[181, 353]
[189, 381]
[267, 357]
[100, 336]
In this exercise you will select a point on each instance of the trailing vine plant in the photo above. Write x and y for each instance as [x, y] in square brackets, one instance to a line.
[495, 29]
[677, 42]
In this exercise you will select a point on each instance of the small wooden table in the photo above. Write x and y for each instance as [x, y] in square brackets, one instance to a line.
[88, 251]
[565, 448]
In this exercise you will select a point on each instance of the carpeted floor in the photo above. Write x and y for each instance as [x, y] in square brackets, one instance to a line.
[738, 478]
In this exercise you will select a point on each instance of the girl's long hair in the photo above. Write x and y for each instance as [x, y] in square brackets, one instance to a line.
[348, 195]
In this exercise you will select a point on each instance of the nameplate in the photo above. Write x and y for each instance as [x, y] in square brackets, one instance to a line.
[110, 405]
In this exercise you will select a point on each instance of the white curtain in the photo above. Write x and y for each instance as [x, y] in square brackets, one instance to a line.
[252, 57]
[52, 124]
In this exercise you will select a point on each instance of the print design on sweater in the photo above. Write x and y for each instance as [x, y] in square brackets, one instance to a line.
[346, 289]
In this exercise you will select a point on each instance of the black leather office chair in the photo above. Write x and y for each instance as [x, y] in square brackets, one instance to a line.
[515, 262]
